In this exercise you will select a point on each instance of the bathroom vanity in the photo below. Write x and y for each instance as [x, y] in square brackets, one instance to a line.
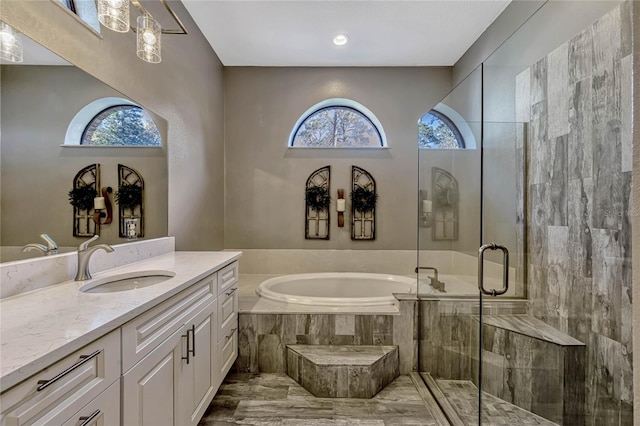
[150, 355]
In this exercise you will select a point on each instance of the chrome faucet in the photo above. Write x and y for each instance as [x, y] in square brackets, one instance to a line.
[84, 254]
[435, 282]
[49, 249]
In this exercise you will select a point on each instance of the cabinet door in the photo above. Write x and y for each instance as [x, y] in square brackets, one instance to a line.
[149, 397]
[196, 379]
[104, 410]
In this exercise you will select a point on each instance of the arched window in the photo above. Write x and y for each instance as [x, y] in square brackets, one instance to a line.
[122, 125]
[437, 131]
[115, 122]
[338, 123]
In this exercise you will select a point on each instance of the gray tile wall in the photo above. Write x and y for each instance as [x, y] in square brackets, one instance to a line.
[579, 193]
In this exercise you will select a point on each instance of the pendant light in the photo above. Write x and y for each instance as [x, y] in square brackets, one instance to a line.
[148, 32]
[114, 14]
[10, 43]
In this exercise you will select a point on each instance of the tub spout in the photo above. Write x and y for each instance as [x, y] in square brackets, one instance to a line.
[435, 282]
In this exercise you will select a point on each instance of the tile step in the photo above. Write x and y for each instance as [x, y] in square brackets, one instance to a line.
[343, 371]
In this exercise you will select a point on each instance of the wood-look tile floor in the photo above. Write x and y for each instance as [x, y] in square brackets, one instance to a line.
[276, 399]
[463, 395]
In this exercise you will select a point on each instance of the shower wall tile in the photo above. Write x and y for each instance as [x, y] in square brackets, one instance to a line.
[580, 244]
[625, 112]
[607, 41]
[539, 149]
[608, 273]
[538, 224]
[580, 133]
[558, 193]
[579, 276]
[580, 56]
[539, 81]
[558, 91]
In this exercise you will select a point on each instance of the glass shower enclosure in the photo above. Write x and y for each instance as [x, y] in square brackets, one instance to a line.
[524, 253]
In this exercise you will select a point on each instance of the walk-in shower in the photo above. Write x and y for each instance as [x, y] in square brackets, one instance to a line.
[529, 157]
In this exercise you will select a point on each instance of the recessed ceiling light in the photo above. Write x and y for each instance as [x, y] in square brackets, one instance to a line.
[340, 39]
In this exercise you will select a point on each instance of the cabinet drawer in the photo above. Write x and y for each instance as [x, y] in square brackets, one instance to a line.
[142, 334]
[104, 410]
[227, 307]
[227, 277]
[227, 350]
[72, 383]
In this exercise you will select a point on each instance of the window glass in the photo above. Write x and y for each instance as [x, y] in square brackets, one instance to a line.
[122, 125]
[337, 126]
[437, 131]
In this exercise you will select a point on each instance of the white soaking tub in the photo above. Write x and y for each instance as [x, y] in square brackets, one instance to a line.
[336, 289]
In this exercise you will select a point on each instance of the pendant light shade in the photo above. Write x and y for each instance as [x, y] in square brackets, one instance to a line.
[10, 43]
[114, 14]
[148, 39]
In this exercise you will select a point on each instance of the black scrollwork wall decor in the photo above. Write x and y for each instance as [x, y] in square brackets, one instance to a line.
[317, 200]
[364, 198]
[130, 199]
[83, 192]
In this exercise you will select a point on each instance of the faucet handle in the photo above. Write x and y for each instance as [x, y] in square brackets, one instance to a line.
[84, 246]
[51, 245]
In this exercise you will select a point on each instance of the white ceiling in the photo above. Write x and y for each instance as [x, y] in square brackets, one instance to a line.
[382, 33]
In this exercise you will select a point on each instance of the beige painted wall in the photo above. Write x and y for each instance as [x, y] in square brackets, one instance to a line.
[264, 203]
[37, 173]
[186, 89]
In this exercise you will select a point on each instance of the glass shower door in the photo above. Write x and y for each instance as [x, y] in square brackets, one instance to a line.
[450, 227]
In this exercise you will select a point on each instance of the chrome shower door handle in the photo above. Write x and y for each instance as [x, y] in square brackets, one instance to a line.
[505, 269]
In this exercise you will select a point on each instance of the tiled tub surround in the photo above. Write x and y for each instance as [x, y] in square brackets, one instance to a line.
[577, 101]
[263, 337]
[31, 274]
[42, 326]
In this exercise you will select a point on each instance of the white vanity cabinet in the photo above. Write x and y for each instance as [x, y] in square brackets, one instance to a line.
[174, 353]
[57, 393]
[163, 367]
[227, 346]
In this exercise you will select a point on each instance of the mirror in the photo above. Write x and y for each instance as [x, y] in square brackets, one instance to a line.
[40, 98]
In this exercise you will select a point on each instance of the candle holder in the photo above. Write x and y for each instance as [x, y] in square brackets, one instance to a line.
[103, 203]
[340, 207]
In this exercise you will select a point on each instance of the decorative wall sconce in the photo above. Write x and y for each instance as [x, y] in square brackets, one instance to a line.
[426, 210]
[103, 203]
[341, 206]
[10, 43]
[114, 15]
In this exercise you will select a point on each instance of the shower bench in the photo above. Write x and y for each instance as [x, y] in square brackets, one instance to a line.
[535, 366]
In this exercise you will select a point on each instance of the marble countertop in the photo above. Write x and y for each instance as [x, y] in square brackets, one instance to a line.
[39, 327]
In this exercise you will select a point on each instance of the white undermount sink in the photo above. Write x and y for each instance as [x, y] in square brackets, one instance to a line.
[126, 281]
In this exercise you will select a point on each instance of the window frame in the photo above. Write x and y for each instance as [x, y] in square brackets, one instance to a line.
[349, 104]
